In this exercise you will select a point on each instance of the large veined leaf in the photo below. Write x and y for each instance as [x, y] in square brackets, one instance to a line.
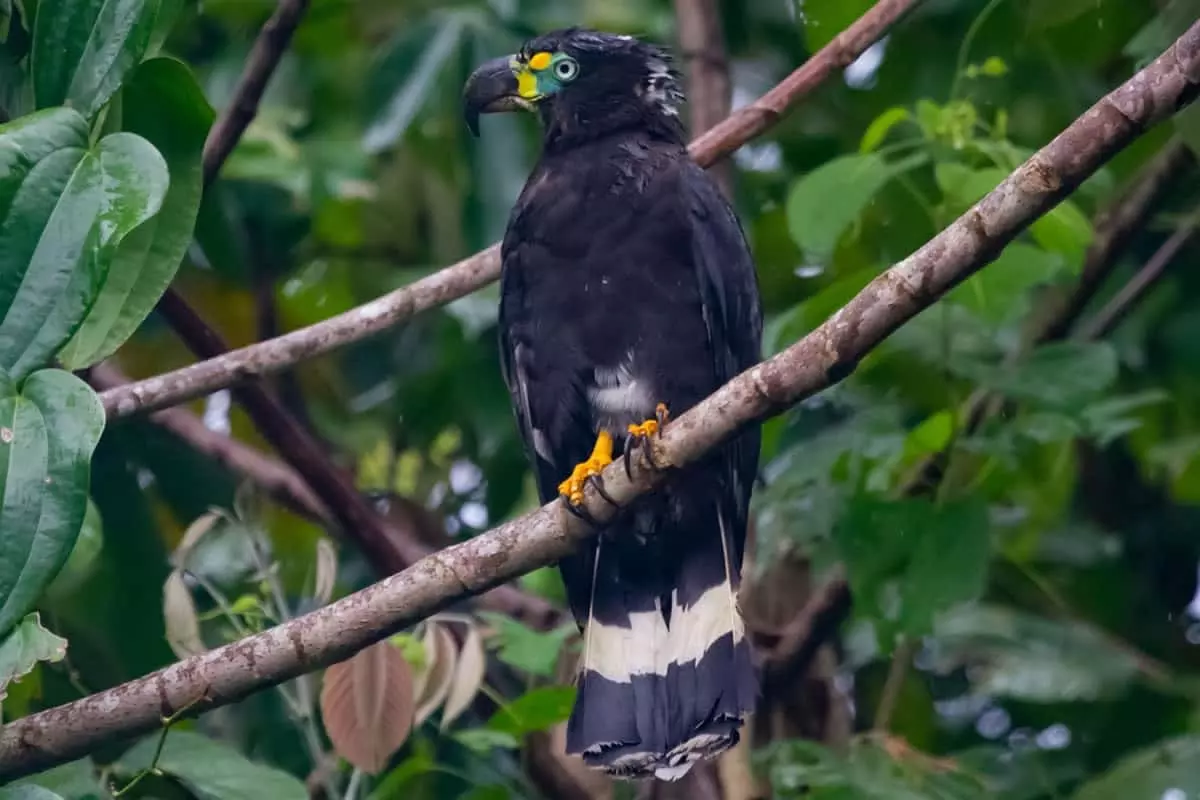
[65, 207]
[83, 49]
[48, 431]
[163, 103]
[211, 770]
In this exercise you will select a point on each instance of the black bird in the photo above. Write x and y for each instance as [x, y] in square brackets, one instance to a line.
[627, 292]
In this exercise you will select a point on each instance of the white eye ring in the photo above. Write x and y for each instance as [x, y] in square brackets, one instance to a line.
[566, 69]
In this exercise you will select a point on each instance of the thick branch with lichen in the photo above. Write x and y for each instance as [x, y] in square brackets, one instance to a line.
[823, 357]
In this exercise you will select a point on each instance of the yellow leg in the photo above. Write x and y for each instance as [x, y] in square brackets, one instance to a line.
[651, 426]
[601, 457]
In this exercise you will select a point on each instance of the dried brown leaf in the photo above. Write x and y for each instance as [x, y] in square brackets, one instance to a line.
[468, 677]
[180, 618]
[326, 577]
[433, 682]
[367, 706]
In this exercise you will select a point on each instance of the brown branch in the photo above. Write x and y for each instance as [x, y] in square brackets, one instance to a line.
[268, 49]
[275, 478]
[284, 484]
[1115, 227]
[825, 611]
[1114, 230]
[709, 90]
[482, 268]
[1115, 310]
[823, 357]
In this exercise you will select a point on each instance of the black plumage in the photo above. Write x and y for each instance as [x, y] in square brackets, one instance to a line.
[627, 283]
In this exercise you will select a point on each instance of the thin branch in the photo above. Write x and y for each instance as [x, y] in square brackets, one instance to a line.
[386, 549]
[284, 484]
[268, 49]
[709, 90]
[823, 357]
[1114, 227]
[825, 611]
[482, 268]
[1114, 230]
[272, 476]
[1115, 310]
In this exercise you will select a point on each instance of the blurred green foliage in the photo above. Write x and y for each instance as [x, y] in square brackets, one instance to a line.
[1045, 591]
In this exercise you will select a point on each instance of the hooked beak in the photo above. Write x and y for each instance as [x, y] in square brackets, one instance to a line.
[492, 87]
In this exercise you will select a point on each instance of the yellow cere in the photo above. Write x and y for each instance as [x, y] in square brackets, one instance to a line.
[539, 61]
[527, 84]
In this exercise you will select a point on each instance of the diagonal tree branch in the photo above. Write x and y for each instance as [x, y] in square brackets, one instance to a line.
[272, 476]
[265, 55]
[482, 268]
[1116, 309]
[829, 606]
[823, 357]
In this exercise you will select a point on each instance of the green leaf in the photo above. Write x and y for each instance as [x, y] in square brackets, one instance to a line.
[524, 648]
[162, 103]
[84, 558]
[939, 553]
[949, 566]
[1000, 292]
[829, 200]
[1169, 768]
[28, 792]
[881, 126]
[1060, 375]
[931, 436]
[1026, 657]
[484, 740]
[64, 210]
[83, 49]
[419, 81]
[211, 770]
[48, 432]
[24, 647]
[825, 19]
[75, 780]
[535, 710]
[1064, 229]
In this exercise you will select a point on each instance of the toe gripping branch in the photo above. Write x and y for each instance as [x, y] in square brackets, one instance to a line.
[588, 472]
[639, 436]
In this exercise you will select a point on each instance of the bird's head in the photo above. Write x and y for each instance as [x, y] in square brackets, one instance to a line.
[582, 83]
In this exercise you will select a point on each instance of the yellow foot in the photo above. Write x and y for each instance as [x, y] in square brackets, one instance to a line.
[639, 435]
[651, 426]
[601, 457]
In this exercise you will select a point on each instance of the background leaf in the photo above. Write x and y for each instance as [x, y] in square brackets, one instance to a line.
[24, 647]
[83, 49]
[211, 770]
[47, 434]
[62, 227]
[162, 103]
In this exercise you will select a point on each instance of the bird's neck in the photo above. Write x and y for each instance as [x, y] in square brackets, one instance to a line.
[567, 129]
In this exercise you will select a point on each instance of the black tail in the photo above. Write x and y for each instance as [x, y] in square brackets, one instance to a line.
[666, 675]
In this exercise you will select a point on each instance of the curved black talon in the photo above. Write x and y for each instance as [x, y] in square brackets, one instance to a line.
[582, 513]
[598, 484]
[633, 442]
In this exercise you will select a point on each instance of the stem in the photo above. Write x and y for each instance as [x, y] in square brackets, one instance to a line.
[892, 686]
[960, 65]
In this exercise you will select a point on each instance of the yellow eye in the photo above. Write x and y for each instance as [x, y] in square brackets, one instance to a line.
[539, 61]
